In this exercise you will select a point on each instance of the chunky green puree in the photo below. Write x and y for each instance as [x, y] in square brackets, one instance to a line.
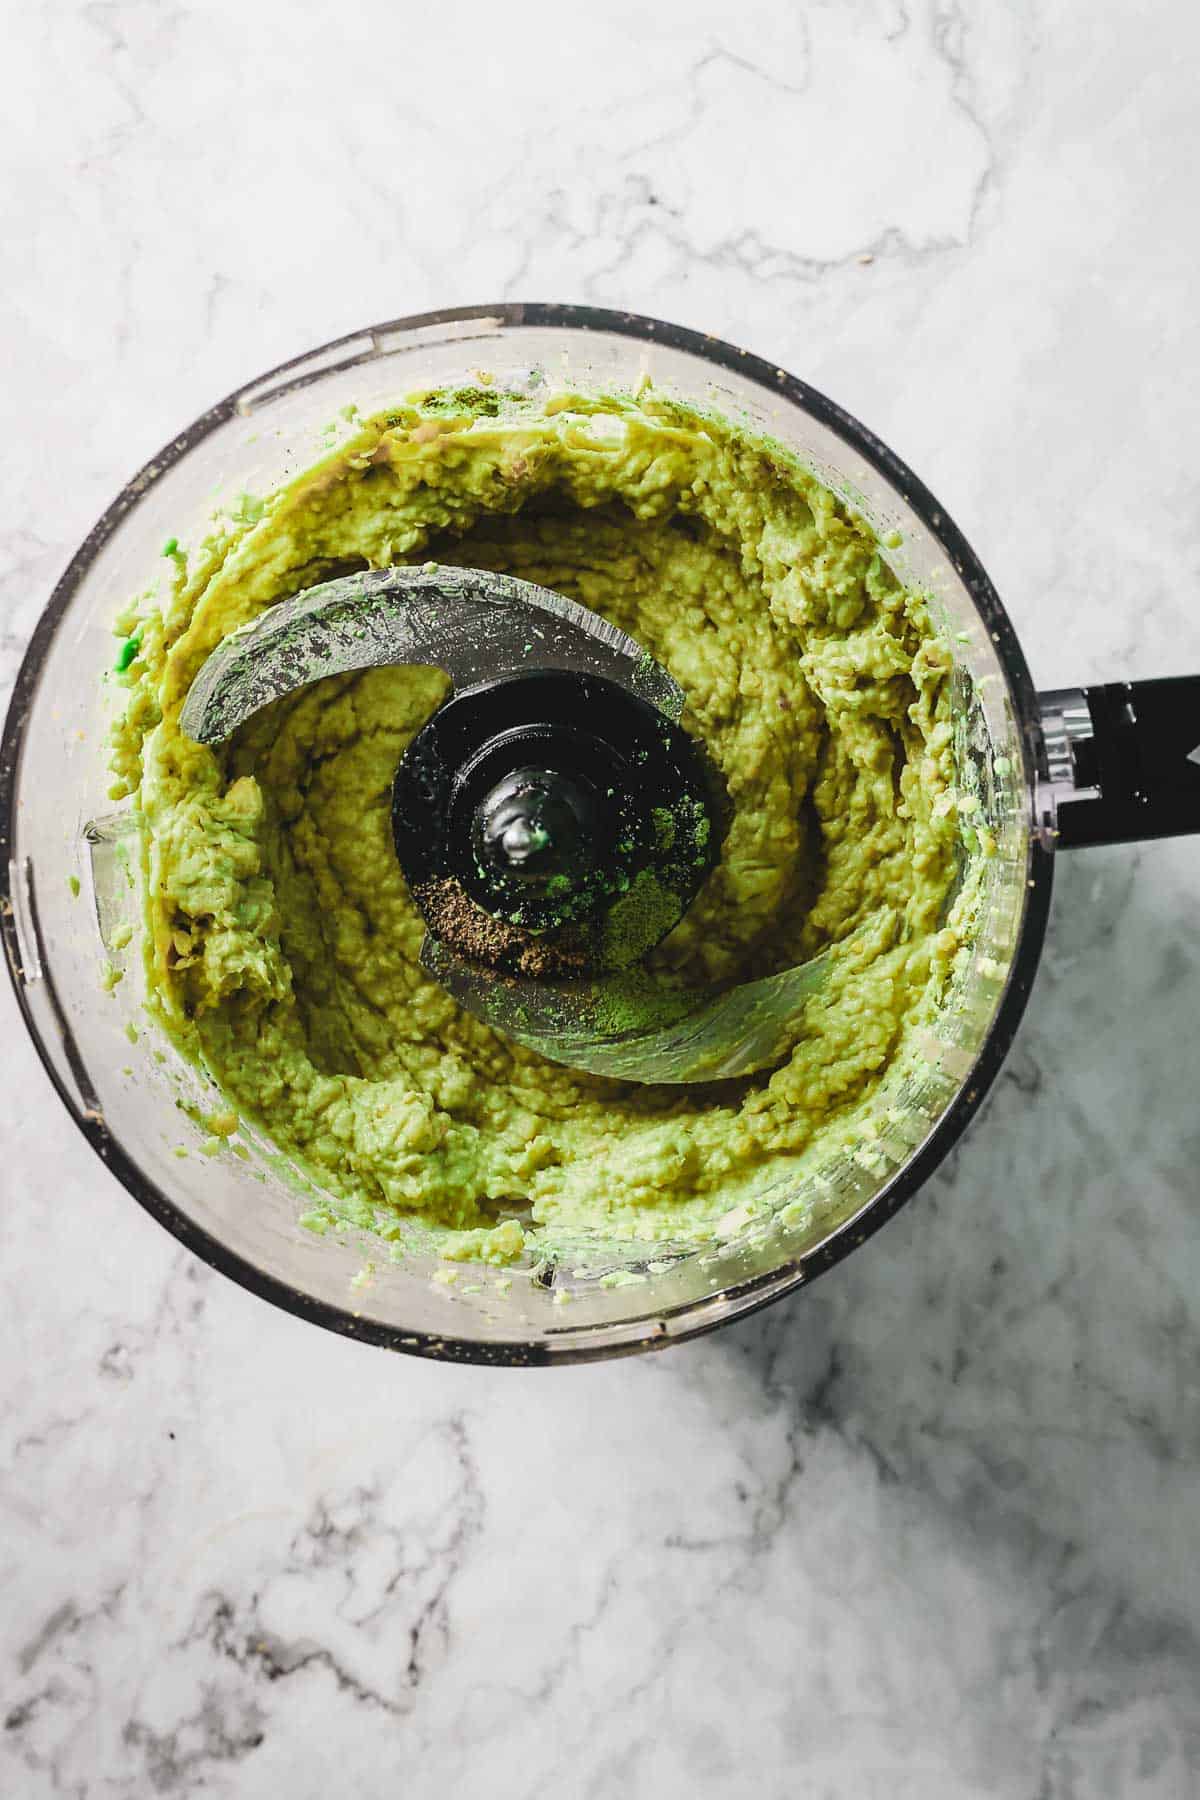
[282, 945]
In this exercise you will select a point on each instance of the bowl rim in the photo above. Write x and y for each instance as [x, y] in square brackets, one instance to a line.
[689, 1319]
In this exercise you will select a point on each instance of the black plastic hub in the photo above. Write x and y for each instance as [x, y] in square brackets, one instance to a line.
[547, 798]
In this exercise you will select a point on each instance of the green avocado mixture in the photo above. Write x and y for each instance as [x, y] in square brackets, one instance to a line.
[282, 944]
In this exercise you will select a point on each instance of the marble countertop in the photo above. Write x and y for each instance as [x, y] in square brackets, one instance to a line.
[929, 1530]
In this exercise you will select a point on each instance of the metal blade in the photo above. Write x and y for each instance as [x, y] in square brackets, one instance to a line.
[477, 625]
[471, 622]
[634, 1027]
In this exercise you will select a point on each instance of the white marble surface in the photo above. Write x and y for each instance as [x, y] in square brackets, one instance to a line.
[931, 1530]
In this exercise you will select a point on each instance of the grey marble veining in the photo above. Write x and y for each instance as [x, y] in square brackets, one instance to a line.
[931, 1529]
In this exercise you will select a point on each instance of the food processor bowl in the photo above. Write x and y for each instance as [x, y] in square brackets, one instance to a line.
[71, 911]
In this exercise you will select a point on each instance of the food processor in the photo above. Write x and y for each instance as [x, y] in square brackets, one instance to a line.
[1046, 772]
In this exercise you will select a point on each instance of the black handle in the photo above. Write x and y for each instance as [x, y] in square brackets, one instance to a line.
[1122, 762]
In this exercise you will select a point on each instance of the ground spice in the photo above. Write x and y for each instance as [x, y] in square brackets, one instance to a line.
[459, 923]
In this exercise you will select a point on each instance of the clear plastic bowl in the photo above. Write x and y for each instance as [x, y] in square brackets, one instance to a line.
[240, 1213]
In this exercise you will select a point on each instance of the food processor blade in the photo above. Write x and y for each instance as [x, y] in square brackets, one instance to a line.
[635, 1027]
[481, 627]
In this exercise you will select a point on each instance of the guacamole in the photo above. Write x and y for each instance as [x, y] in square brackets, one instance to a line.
[282, 945]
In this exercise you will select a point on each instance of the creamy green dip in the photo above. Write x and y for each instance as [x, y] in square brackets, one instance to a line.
[282, 944]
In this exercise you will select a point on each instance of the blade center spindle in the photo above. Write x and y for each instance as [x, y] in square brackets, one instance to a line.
[537, 824]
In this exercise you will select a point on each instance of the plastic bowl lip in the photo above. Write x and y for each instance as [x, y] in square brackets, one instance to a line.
[669, 1326]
